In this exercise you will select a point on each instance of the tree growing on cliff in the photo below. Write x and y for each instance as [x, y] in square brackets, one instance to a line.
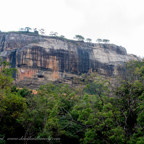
[99, 40]
[42, 31]
[79, 37]
[53, 33]
[27, 29]
[36, 31]
[62, 36]
[88, 40]
[106, 40]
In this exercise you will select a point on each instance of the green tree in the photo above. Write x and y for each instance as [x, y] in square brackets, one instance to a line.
[11, 104]
[23, 92]
[36, 31]
[62, 36]
[27, 29]
[99, 40]
[32, 117]
[53, 33]
[117, 119]
[6, 73]
[79, 37]
[92, 88]
[88, 40]
[106, 40]
[42, 31]
[58, 101]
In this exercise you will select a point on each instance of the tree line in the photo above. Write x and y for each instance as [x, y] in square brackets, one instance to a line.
[35, 30]
[81, 38]
[55, 34]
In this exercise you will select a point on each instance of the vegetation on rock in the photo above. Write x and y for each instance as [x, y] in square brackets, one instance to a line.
[79, 37]
[88, 40]
[102, 40]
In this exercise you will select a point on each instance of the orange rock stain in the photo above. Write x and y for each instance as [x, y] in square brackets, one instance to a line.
[22, 73]
[50, 63]
[55, 69]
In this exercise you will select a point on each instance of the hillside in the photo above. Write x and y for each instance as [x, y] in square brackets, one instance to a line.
[41, 59]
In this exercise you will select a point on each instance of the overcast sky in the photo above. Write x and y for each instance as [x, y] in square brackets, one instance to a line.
[120, 21]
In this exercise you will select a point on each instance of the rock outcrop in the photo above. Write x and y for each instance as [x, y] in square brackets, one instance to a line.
[41, 59]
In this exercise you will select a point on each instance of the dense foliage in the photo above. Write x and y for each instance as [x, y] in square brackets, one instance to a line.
[98, 112]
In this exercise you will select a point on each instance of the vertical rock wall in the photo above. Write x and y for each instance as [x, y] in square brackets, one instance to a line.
[42, 59]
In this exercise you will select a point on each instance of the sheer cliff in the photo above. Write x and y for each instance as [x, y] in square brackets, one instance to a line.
[41, 59]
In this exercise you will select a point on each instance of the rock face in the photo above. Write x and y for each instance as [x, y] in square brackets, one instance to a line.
[41, 59]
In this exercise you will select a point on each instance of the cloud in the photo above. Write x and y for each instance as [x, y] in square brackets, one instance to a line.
[120, 21]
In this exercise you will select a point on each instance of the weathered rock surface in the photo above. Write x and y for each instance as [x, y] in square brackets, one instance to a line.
[41, 59]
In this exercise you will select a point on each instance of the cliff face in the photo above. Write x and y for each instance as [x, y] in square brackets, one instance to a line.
[41, 59]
